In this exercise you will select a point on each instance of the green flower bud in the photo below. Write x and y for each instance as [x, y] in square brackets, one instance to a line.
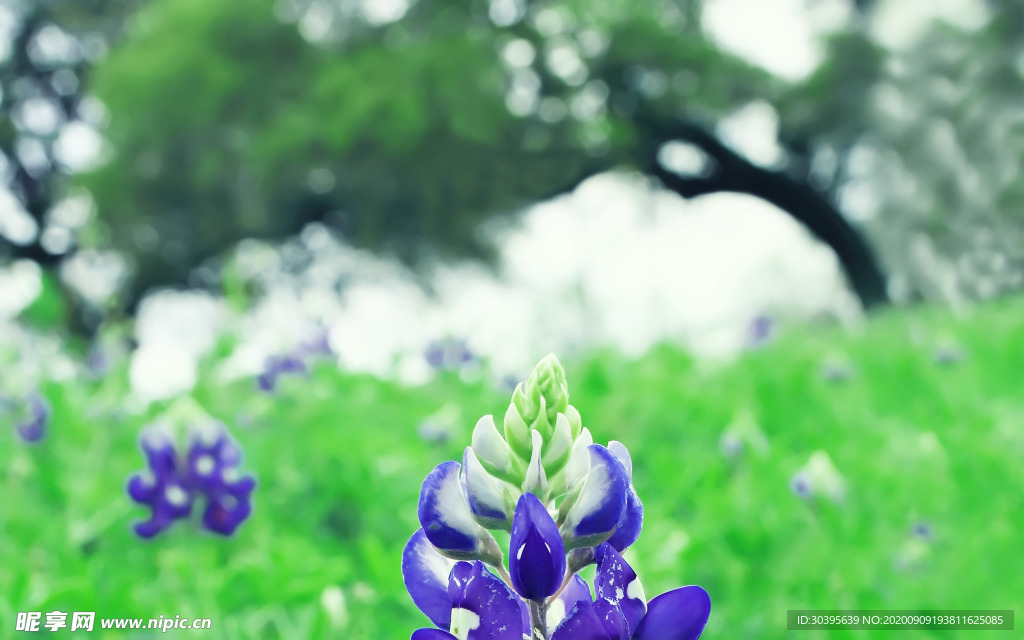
[544, 424]
[494, 453]
[575, 422]
[517, 433]
[536, 481]
[541, 429]
[555, 453]
[548, 377]
[526, 399]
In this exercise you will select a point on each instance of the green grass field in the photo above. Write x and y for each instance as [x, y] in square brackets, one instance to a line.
[340, 464]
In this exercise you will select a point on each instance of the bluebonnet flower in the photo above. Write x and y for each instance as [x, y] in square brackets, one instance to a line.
[760, 331]
[295, 361]
[923, 530]
[743, 434]
[318, 345]
[819, 477]
[800, 485]
[474, 604]
[97, 362]
[537, 554]
[275, 367]
[206, 472]
[567, 503]
[448, 354]
[35, 418]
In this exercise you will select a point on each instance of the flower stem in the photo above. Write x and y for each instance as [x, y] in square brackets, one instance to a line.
[538, 619]
[504, 574]
[565, 583]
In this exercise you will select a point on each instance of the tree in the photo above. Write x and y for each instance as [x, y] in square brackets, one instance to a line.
[43, 81]
[406, 130]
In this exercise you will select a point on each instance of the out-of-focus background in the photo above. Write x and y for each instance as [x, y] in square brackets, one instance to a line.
[779, 245]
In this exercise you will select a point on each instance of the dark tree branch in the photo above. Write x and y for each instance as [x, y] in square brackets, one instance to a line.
[734, 173]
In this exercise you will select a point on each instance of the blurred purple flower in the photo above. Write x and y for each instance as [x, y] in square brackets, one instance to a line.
[923, 530]
[760, 331]
[97, 361]
[173, 483]
[448, 354]
[34, 421]
[276, 366]
[800, 484]
[319, 345]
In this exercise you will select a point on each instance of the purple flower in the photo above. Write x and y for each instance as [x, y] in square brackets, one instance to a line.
[621, 611]
[174, 483]
[598, 508]
[448, 520]
[275, 367]
[97, 361]
[628, 529]
[319, 345]
[448, 354]
[479, 605]
[35, 419]
[800, 484]
[760, 331]
[474, 604]
[425, 572]
[536, 552]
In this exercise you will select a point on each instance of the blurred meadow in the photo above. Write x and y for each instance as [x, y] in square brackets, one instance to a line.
[777, 244]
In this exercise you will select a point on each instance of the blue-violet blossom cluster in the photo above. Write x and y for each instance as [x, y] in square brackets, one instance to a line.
[34, 418]
[567, 503]
[293, 362]
[175, 481]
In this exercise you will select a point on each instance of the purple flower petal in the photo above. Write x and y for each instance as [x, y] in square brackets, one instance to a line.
[621, 453]
[266, 381]
[617, 582]
[576, 591]
[446, 517]
[483, 607]
[174, 500]
[155, 525]
[598, 509]
[616, 626]
[482, 492]
[582, 623]
[536, 552]
[32, 427]
[431, 634]
[426, 572]
[142, 488]
[630, 524]
[679, 614]
[160, 453]
[225, 514]
[434, 355]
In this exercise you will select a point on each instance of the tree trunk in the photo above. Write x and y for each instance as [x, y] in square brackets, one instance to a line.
[733, 173]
